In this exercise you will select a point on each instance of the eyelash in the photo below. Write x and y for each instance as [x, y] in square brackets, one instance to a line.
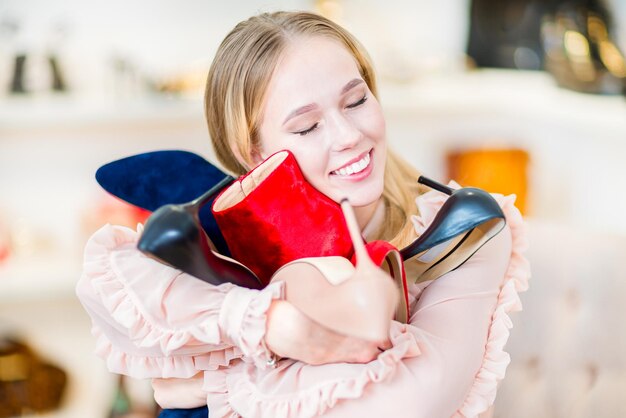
[306, 131]
[357, 104]
[350, 106]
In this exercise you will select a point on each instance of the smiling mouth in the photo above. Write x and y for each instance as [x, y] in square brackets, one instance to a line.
[355, 167]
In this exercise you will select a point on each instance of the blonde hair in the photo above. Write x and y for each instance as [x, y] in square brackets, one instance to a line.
[235, 90]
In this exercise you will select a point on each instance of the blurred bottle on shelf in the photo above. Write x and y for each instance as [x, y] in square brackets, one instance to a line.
[26, 73]
[120, 406]
[35, 65]
[28, 384]
[12, 58]
[579, 48]
[331, 9]
[53, 55]
[123, 405]
[571, 39]
[18, 85]
[506, 34]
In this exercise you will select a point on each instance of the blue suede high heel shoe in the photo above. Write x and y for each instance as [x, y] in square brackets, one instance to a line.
[157, 178]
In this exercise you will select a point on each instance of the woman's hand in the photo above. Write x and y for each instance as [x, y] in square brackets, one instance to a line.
[292, 334]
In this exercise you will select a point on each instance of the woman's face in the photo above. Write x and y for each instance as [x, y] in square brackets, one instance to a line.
[318, 107]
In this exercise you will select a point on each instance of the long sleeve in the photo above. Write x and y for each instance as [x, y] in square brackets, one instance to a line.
[446, 362]
[151, 320]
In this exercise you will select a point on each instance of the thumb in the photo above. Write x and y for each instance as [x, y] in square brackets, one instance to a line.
[385, 345]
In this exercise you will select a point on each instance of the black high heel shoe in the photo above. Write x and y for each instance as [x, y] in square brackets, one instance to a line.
[173, 235]
[467, 220]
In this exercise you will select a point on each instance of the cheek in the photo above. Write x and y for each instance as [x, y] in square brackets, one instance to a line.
[372, 122]
[312, 164]
[272, 141]
[308, 154]
[379, 127]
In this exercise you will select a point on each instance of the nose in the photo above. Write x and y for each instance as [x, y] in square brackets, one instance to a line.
[344, 134]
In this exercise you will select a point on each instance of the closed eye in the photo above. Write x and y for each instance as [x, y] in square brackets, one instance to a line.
[306, 131]
[357, 104]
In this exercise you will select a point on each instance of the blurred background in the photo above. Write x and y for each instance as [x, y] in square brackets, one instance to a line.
[517, 96]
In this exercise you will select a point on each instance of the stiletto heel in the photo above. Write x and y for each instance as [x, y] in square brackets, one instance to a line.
[356, 301]
[173, 235]
[467, 220]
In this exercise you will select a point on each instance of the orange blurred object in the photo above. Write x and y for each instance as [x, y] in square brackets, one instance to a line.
[494, 170]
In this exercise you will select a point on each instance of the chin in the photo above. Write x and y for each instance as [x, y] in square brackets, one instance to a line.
[367, 200]
[364, 195]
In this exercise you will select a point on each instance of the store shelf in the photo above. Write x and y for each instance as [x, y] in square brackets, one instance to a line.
[25, 114]
[532, 94]
[529, 95]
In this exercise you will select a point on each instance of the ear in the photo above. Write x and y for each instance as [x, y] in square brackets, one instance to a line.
[257, 157]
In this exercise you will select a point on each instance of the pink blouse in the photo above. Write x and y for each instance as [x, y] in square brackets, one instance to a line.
[203, 344]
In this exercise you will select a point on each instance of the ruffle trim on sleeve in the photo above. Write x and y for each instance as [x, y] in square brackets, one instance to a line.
[482, 394]
[110, 281]
[253, 327]
[143, 367]
[217, 394]
[234, 393]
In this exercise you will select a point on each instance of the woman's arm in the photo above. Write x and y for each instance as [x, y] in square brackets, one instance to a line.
[292, 334]
[450, 322]
[154, 321]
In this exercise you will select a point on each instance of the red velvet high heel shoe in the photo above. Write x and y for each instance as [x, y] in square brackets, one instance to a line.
[358, 301]
[272, 216]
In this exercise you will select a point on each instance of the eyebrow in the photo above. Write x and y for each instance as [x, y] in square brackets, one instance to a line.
[351, 84]
[307, 108]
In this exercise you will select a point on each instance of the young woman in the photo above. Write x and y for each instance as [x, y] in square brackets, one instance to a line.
[296, 81]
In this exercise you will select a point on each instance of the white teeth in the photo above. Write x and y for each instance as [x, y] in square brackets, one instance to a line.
[354, 167]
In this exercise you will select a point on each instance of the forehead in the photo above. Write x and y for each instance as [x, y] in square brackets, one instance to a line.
[315, 64]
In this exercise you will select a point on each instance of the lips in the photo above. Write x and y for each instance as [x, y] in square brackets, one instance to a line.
[354, 167]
